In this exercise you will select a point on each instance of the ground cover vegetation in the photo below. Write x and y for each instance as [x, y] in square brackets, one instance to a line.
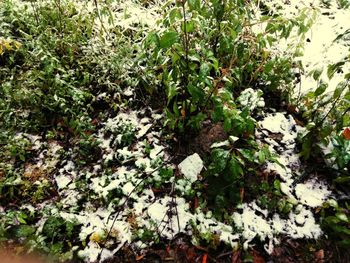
[145, 131]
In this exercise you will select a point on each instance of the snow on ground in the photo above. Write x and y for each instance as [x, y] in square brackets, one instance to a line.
[125, 14]
[256, 222]
[85, 192]
[319, 46]
[169, 215]
[312, 193]
[299, 224]
[125, 190]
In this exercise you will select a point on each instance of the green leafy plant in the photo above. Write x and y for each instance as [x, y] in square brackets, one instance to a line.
[53, 65]
[18, 148]
[335, 220]
[326, 112]
[327, 136]
[16, 225]
[88, 149]
[207, 62]
[208, 49]
[229, 170]
[340, 153]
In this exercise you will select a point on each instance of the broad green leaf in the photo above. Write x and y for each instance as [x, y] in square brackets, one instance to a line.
[176, 110]
[271, 28]
[332, 203]
[226, 96]
[219, 158]
[227, 124]
[302, 29]
[151, 38]
[332, 69]
[339, 89]
[52, 226]
[270, 40]
[56, 248]
[233, 33]
[341, 229]
[22, 218]
[261, 157]
[194, 4]
[342, 179]
[218, 113]
[175, 57]
[247, 154]
[332, 220]
[215, 63]
[197, 120]
[268, 66]
[192, 66]
[194, 58]
[287, 208]
[342, 217]
[235, 168]
[24, 231]
[281, 204]
[321, 88]
[196, 92]
[175, 14]
[277, 184]
[189, 26]
[171, 92]
[204, 70]
[168, 39]
[317, 73]
[166, 173]
[220, 201]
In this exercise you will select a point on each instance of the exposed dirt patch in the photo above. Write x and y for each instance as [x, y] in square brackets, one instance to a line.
[210, 134]
[303, 251]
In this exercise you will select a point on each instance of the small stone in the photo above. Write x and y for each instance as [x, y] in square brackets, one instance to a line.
[191, 167]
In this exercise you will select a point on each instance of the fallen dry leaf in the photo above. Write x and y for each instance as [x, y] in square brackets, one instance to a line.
[196, 202]
[33, 172]
[257, 257]
[346, 133]
[236, 257]
[319, 256]
[241, 194]
[204, 259]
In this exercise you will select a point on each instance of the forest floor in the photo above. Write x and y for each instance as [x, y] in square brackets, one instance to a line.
[117, 186]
